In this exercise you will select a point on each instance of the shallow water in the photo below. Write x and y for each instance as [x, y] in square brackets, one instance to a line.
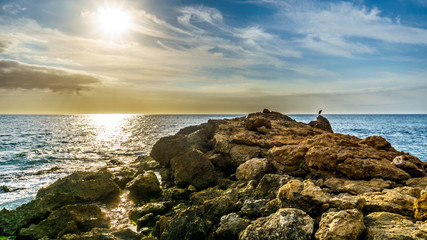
[67, 143]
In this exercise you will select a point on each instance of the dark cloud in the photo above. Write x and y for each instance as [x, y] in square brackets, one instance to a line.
[16, 75]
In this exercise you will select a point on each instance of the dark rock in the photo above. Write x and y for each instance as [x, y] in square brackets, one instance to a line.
[176, 193]
[144, 186]
[4, 188]
[252, 208]
[147, 163]
[410, 164]
[270, 207]
[85, 187]
[193, 168]
[161, 226]
[69, 219]
[156, 208]
[321, 123]
[287, 223]
[377, 142]
[269, 186]
[215, 208]
[230, 227]
[253, 124]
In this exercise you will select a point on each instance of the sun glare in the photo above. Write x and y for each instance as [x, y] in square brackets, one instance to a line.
[114, 21]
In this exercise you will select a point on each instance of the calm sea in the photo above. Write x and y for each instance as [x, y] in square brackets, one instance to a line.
[30, 144]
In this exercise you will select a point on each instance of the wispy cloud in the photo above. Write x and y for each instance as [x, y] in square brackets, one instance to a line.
[12, 8]
[16, 75]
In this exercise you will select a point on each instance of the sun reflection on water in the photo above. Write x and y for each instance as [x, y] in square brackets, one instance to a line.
[110, 127]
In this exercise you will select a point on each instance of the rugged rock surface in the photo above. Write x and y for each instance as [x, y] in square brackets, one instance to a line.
[263, 176]
[342, 225]
[286, 223]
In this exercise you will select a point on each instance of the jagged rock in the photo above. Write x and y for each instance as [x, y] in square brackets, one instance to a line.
[85, 187]
[389, 200]
[144, 186]
[252, 208]
[286, 223]
[420, 207]
[254, 124]
[321, 123]
[176, 193]
[69, 219]
[356, 187]
[385, 225]
[289, 159]
[271, 207]
[269, 186]
[303, 195]
[4, 188]
[155, 208]
[342, 225]
[205, 195]
[230, 227]
[346, 201]
[253, 169]
[193, 168]
[188, 224]
[410, 164]
[215, 208]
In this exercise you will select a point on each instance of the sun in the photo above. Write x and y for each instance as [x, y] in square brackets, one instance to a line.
[114, 21]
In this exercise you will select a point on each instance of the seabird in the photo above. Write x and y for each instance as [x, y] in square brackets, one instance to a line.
[320, 111]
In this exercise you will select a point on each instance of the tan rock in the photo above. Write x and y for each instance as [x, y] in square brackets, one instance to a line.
[385, 225]
[389, 200]
[342, 225]
[420, 207]
[356, 187]
[253, 169]
[410, 164]
[346, 201]
[289, 159]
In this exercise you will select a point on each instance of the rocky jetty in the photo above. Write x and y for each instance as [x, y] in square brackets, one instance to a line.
[263, 176]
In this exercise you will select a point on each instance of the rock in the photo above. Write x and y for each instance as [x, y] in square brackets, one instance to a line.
[371, 168]
[253, 169]
[356, 187]
[85, 187]
[321, 123]
[346, 201]
[144, 186]
[377, 142]
[193, 168]
[176, 193]
[289, 159]
[253, 124]
[342, 225]
[286, 223]
[147, 163]
[94, 234]
[410, 164]
[303, 195]
[126, 233]
[270, 207]
[161, 226]
[242, 153]
[269, 186]
[251, 208]
[320, 158]
[389, 200]
[4, 188]
[420, 182]
[420, 207]
[198, 198]
[230, 227]
[156, 208]
[69, 219]
[188, 224]
[385, 225]
[215, 208]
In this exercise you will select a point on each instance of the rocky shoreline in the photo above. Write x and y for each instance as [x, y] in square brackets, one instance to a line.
[264, 176]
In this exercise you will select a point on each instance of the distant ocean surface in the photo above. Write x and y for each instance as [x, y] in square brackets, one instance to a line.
[31, 144]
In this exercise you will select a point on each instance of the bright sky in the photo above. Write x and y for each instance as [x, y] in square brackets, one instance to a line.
[213, 56]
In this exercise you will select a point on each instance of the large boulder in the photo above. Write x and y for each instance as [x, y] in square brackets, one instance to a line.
[144, 186]
[269, 186]
[385, 225]
[303, 195]
[230, 227]
[286, 223]
[389, 200]
[85, 187]
[410, 164]
[321, 123]
[253, 169]
[342, 225]
[193, 168]
[288, 159]
[69, 219]
[420, 207]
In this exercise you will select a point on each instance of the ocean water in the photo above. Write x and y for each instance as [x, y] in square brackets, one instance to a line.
[32, 144]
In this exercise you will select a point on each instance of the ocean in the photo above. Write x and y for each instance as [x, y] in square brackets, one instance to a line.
[36, 150]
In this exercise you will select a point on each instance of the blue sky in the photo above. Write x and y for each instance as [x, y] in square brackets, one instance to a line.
[211, 56]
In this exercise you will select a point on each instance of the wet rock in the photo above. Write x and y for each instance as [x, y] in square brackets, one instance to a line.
[156, 208]
[420, 207]
[252, 208]
[303, 195]
[4, 188]
[147, 163]
[230, 227]
[269, 186]
[253, 169]
[144, 186]
[69, 219]
[410, 164]
[385, 225]
[355, 187]
[188, 224]
[389, 200]
[321, 123]
[85, 187]
[145, 221]
[287, 223]
[342, 225]
[193, 168]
